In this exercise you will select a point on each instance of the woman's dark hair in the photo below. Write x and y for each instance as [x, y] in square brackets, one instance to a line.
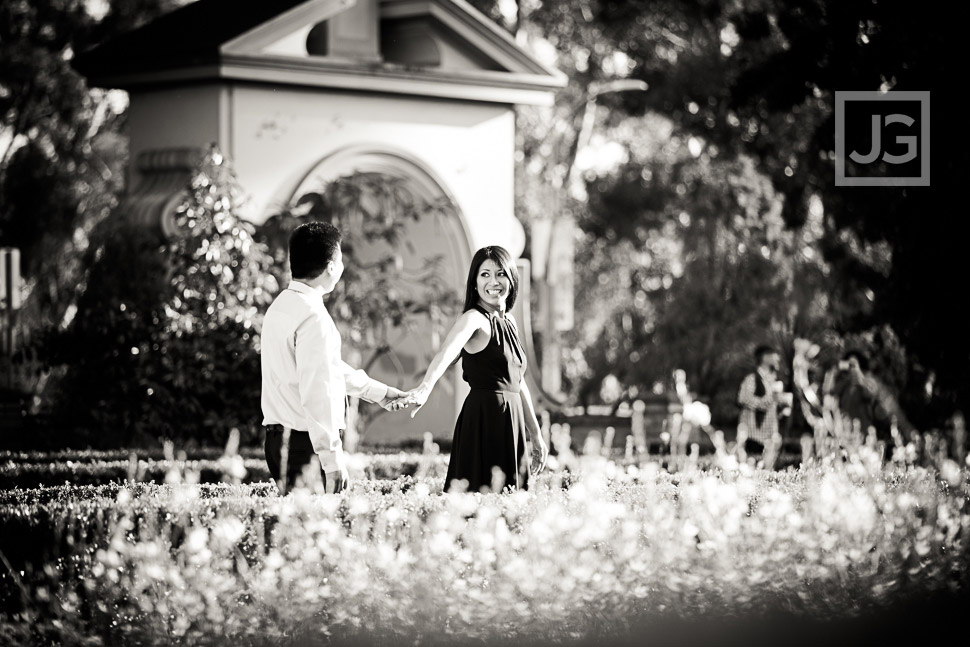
[504, 260]
[312, 246]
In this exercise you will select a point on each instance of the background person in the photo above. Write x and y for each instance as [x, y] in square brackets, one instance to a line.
[762, 398]
[863, 400]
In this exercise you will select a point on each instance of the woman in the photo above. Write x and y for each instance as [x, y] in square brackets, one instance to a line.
[498, 412]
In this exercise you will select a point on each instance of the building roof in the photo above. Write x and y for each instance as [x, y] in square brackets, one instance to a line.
[212, 40]
[189, 35]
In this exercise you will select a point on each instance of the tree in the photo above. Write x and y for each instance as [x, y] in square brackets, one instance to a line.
[693, 280]
[758, 79]
[61, 156]
[164, 343]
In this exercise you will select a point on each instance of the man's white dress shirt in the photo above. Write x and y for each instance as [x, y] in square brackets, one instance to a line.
[305, 382]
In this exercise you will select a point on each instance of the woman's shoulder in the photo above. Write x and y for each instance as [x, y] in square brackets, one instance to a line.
[474, 317]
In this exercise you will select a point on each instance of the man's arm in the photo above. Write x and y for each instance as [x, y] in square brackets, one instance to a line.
[313, 371]
[360, 385]
[747, 398]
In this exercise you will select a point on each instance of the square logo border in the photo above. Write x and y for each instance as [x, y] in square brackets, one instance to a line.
[842, 96]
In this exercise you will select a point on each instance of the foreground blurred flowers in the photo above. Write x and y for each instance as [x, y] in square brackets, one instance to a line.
[580, 556]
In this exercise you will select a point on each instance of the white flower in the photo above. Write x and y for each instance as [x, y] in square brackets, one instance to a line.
[197, 540]
[951, 473]
[697, 413]
[228, 531]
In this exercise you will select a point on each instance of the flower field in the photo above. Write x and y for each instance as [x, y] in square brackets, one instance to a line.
[607, 555]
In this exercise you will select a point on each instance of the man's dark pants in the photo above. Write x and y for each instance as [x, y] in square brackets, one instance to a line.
[300, 455]
[752, 446]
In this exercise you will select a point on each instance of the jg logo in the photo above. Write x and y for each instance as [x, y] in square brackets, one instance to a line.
[882, 138]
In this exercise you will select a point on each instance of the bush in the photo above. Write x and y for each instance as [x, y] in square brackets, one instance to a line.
[96, 469]
[164, 342]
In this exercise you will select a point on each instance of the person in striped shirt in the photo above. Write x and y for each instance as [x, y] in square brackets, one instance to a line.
[762, 399]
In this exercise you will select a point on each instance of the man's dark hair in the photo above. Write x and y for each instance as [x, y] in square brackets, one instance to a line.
[312, 246]
[860, 356]
[761, 351]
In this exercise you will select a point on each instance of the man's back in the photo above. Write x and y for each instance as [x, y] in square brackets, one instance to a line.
[297, 310]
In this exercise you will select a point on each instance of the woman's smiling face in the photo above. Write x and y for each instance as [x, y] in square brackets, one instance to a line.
[494, 285]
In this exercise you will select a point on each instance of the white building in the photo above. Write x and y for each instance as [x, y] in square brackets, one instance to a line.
[301, 91]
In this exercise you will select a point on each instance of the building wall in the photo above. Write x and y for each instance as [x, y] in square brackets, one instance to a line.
[275, 135]
[189, 116]
[278, 134]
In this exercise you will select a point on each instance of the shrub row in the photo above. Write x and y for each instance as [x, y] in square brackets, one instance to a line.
[618, 550]
[31, 474]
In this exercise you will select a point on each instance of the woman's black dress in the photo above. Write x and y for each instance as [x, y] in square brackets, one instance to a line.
[490, 431]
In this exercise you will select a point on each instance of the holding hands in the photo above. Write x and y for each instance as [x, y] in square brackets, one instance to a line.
[394, 400]
[417, 396]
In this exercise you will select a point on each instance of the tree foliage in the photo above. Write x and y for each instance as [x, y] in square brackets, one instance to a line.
[164, 341]
[732, 81]
[62, 157]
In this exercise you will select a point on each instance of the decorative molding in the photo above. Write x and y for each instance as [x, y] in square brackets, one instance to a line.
[164, 175]
[309, 13]
[467, 85]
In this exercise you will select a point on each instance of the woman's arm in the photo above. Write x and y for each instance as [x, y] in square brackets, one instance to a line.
[539, 450]
[467, 325]
[531, 421]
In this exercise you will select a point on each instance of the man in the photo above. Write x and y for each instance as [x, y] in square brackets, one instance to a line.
[863, 400]
[759, 397]
[305, 382]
